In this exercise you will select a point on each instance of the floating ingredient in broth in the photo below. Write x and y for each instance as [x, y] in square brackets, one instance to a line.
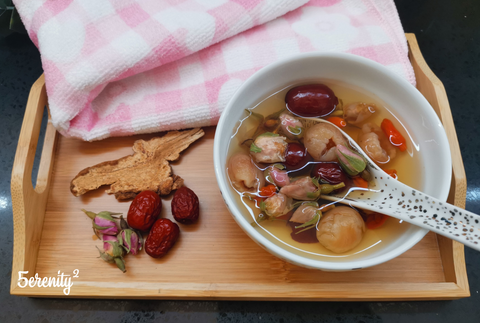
[338, 121]
[321, 141]
[296, 155]
[393, 135]
[329, 172]
[341, 229]
[359, 182]
[374, 220]
[261, 125]
[243, 173]
[276, 174]
[351, 162]
[269, 148]
[302, 189]
[291, 127]
[268, 191]
[375, 144]
[308, 215]
[312, 100]
[358, 112]
[391, 172]
[308, 189]
[276, 205]
[327, 188]
[366, 175]
[272, 122]
[305, 212]
[301, 235]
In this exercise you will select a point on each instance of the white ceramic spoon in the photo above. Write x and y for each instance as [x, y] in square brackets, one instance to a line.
[393, 198]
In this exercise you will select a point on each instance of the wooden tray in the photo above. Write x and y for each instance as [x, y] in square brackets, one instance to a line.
[213, 259]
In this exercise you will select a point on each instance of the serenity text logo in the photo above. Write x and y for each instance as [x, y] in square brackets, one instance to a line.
[61, 280]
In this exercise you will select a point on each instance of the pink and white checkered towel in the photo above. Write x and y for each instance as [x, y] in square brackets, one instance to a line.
[117, 68]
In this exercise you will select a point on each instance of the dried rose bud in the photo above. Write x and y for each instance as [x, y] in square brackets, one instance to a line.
[351, 162]
[269, 148]
[131, 241]
[112, 247]
[277, 175]
[304, 188]
[308, 189]
[290, 126]
[276, 205]
[113, 252]
[123, 223]
[103, 222]
[305, 212]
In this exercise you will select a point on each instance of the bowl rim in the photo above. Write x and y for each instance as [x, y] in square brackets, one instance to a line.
[276, 249]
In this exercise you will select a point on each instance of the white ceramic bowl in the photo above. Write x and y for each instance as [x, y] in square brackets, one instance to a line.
[408, 104]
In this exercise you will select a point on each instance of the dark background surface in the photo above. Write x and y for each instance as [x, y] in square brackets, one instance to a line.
[448, 33]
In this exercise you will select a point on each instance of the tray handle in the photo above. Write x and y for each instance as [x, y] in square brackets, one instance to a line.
[29, 203]
[434, 91]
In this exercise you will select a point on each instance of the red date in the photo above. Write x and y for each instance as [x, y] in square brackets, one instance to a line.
[329, 172]
[296, 156]
[161, 238]
[185, 206]
[144, 210]
[312, 100]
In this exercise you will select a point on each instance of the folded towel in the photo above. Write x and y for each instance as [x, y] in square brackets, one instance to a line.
[116, 68]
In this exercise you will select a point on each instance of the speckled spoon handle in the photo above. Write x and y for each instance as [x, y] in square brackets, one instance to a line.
[398, 200]
[405, 203]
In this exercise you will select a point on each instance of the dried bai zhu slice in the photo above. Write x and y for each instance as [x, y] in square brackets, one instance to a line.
[146, 169]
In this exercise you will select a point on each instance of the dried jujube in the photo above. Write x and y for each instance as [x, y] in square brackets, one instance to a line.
[163, 235]
[312, 100]
[144, 210]
[185, 206]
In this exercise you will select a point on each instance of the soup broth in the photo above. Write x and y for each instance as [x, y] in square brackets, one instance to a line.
[405, 163]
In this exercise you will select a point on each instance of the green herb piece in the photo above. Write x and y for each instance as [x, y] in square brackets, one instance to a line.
[279, 166]
[310, 224]
[269, 134]
[263, 206]
[295, 130]
[313, 195]
[336, 113]
[254, 148]
[328, 188]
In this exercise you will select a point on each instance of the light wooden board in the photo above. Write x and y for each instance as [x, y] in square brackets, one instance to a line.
[213, 259]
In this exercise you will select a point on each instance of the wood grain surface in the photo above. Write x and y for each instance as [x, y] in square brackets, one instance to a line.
[213, 259]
